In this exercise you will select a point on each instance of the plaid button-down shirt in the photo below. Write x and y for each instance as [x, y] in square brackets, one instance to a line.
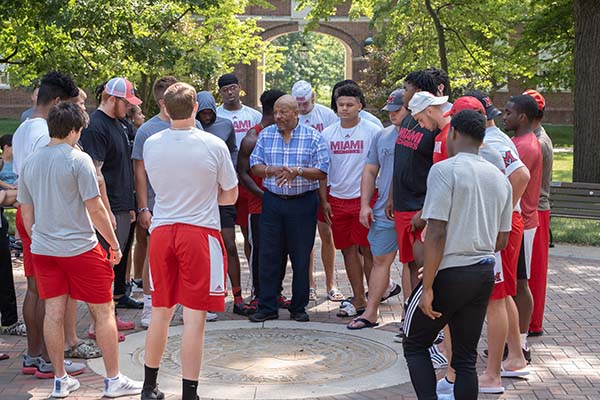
[306, 149]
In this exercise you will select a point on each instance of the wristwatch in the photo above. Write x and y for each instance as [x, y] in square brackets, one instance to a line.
[300, 171]
[140, 210]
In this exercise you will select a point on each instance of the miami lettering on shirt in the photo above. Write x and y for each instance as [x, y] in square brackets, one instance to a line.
[508, 158]
[409, 138]
[319, 126]
[347, 146]
[241, 126]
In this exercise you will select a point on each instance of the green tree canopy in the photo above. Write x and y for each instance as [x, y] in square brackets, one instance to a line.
[314, 57]
[94, 40]
[481, 44]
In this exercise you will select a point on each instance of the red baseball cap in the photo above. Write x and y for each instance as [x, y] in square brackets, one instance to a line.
[121, 87]
[465, 103]
[537, 97]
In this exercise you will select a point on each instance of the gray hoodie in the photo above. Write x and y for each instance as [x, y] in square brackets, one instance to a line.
[221, 127]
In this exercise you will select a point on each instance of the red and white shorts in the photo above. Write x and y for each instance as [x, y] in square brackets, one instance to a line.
[406, 238]
[507, 285]
[188, 266]
[26, 241]
[86, 277]
[345, 223]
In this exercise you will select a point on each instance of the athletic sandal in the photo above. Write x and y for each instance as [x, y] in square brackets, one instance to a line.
[517, 373]
[312, 294]
[284, 302]
[491, 390]
[394, 292]
[92, 335]
[335, 294]
[365, 324]
[348, 310]
[84, 350]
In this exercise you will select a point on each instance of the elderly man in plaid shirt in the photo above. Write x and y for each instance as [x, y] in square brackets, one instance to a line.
[291, 158]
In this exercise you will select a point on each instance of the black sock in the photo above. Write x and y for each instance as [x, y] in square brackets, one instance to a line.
[190, 389]
[150, 375]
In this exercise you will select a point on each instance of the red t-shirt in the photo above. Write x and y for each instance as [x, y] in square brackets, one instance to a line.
[440, 150]
[255, 202]
[530, 152]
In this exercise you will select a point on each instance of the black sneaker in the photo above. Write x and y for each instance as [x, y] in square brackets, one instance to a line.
[241, 309]
[149, 393]
[128, 302]
[535, 334]
[527, 355]
[262, 317]
[300, 317]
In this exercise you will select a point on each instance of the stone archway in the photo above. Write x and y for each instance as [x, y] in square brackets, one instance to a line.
[284, 19]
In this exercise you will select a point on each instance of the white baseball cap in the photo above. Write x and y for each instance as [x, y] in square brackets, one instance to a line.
[421, 100]
[302, 91]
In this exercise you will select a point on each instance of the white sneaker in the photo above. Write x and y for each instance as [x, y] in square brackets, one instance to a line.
[444, 387]
[64, 386]
[146, 316]
[211, 316]
[122, 386]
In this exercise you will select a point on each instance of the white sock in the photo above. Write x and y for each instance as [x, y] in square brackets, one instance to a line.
[524, 341]
[148, 300]
[114, 378]
[61, 379]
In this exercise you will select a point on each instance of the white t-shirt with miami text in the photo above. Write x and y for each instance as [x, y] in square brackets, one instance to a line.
[319, 118]
[243, 120]
[348, 148]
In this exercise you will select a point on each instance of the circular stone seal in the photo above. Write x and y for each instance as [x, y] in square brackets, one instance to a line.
[276, 360]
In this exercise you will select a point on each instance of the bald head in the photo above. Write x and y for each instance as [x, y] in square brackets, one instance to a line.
[285, 113]
[287, 101]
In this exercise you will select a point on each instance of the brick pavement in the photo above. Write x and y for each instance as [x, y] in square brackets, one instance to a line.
[565, 364]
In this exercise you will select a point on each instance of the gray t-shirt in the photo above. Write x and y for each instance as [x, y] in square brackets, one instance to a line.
[475, 199]
[57, 180]
[381, 154]
[149, 128]
[547, 160]
[492, 156]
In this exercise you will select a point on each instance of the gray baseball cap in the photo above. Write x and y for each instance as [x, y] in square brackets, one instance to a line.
[395, 101]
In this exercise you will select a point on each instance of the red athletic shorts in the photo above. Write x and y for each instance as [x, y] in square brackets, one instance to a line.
[26, 241]
[87, 277]
[510, 259]
[406, 238]
[345, 224]
[188, 266]
[241, 206]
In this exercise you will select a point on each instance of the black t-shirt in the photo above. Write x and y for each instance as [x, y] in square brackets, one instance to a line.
[106, 139]
[413, 157]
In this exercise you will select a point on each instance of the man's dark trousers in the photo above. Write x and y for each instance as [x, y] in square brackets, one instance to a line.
[286, 224]
[8, 300]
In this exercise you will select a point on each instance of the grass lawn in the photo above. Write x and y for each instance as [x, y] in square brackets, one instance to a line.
[571, 230]
[8, 126]
[562, 135]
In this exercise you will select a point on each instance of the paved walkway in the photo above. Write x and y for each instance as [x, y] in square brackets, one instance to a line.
[566, 359]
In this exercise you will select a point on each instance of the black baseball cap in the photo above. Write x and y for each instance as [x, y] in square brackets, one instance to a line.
[490, 110]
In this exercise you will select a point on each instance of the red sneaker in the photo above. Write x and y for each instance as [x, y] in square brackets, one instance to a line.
[284, 302]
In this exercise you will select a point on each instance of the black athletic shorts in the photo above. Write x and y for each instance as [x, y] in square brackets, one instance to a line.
[521, 266]
[227, 214]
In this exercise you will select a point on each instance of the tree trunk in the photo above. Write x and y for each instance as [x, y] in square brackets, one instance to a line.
[439, 28]
[586, 143]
